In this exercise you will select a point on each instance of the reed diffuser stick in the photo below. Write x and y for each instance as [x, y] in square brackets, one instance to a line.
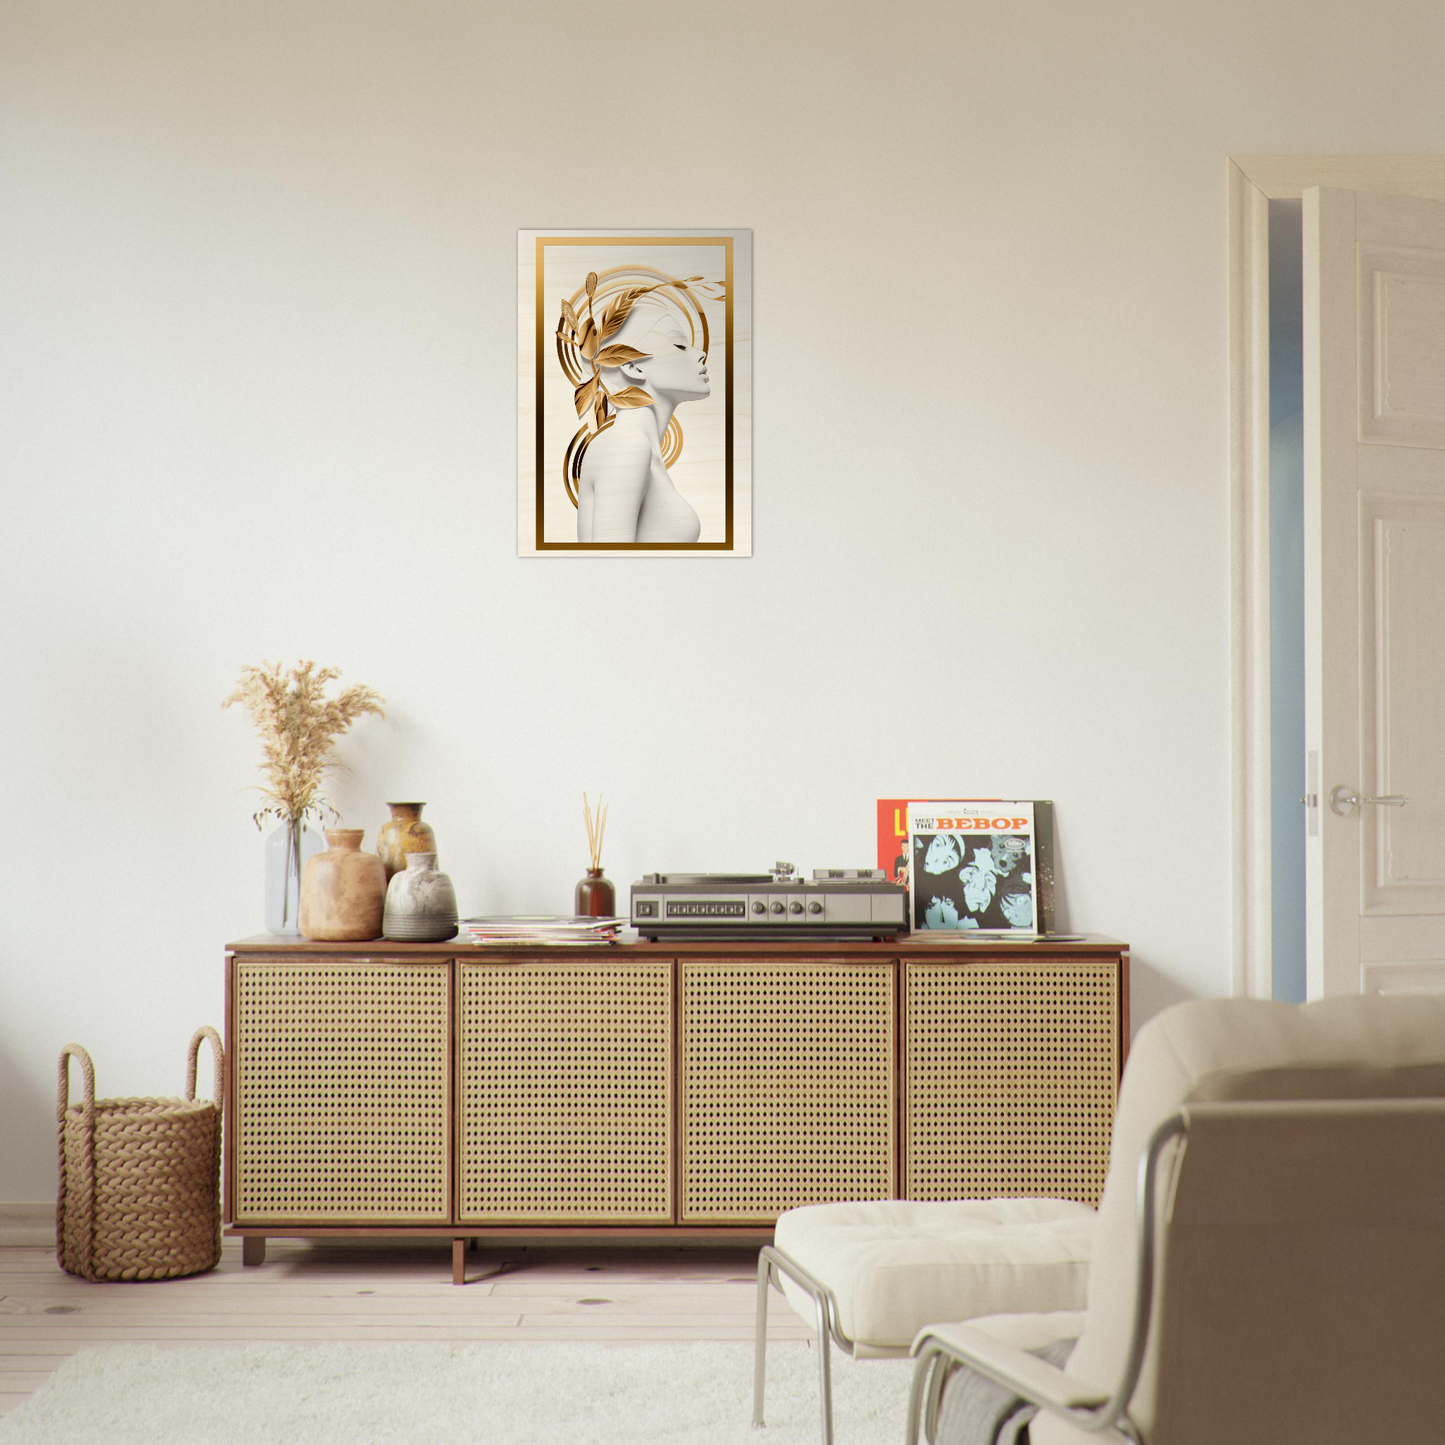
[596, 823]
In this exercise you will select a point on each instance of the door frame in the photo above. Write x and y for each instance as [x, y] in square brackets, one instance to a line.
[1254, 181]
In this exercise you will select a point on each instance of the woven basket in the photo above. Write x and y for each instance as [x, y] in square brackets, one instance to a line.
[139, 1178]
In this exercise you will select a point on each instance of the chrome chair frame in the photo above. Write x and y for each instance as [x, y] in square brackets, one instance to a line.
[937, 1358]
[771, 1264]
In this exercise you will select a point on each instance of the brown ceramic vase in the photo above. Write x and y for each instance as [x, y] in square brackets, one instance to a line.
[404, 833]
[343, 890]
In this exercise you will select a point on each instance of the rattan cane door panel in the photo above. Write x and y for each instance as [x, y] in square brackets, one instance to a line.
[1010, 1079]
[788, 1096]
[566, 1092]
[342, 1106]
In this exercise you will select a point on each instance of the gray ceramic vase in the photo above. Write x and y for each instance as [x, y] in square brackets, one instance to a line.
[421, 904]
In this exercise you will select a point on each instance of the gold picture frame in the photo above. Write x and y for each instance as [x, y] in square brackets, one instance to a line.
[634, 393]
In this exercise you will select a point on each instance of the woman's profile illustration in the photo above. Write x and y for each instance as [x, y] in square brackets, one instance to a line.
[633, 342]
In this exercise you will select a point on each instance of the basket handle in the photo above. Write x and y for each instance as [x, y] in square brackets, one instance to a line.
[87, 1070]
[218, 1055]
[84, 1186]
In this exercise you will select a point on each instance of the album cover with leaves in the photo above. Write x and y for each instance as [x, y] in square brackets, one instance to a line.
[981, 865]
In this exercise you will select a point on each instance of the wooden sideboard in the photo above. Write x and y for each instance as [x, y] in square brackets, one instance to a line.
[657, 1091]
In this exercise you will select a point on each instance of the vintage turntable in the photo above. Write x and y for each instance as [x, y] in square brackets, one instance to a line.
[834, 903]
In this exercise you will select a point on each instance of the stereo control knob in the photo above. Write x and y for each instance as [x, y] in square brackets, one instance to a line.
[759, 906]
[795, 907]
[777, 908]
[815, 907]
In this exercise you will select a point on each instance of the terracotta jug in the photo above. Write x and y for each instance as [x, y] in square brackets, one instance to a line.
[404, 833]
[343, 890]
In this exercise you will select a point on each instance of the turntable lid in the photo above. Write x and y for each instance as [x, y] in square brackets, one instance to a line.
[703, 879]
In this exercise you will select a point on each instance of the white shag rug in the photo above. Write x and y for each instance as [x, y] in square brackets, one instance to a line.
[477, 1394]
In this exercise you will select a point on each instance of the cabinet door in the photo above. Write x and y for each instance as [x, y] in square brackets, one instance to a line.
[1010, 1078]
[342, 1104]
[787, 1086]
[565, 1075]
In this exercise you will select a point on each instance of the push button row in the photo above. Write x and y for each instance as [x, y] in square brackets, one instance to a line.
[676, 909]
[760, 908]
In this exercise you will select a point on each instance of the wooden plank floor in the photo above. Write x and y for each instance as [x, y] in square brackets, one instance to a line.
[381, 1292]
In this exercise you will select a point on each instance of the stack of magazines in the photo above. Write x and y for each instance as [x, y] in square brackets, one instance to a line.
[523, 928]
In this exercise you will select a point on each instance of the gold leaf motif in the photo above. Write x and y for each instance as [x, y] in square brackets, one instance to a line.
[569, 313]
[621, 308]
[591, 284]
[619, 355]
[630, 397]
[599, 408]
[584, 394]
[588, 343]
[614, 316]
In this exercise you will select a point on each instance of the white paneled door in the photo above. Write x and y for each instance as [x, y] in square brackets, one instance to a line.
[1374, 280]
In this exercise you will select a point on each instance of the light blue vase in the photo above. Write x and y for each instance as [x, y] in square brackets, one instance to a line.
[287, 849]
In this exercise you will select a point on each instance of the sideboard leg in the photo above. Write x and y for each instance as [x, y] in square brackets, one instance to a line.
[459, 1261]
[253, 1249]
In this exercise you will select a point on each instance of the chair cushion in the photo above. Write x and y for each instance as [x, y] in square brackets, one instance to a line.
[896, 1265]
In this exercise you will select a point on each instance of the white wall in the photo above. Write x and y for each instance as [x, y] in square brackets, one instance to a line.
[257, 268]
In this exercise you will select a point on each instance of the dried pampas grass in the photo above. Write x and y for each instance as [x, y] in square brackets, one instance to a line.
[298, 724]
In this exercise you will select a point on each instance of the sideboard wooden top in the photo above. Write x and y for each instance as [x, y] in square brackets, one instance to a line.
[905, 945]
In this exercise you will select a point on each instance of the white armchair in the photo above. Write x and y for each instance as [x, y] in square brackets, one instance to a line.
[1269, 1259]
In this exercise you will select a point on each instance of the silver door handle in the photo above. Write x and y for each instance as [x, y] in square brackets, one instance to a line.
[1344, 800]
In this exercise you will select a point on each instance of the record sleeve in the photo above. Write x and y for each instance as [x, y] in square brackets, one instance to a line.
[941, 892]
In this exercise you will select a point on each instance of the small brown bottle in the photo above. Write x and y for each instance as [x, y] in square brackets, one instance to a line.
[595, 896]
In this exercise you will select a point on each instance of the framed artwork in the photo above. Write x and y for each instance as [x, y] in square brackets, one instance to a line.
[634, 393]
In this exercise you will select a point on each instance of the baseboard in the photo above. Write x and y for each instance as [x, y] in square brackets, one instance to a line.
[28, 1223]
